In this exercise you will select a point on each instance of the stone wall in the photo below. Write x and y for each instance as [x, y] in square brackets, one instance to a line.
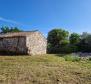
[13, 44]
[32, 44]
[36, 43]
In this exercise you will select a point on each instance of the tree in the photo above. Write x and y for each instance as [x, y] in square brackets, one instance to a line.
[57, 40]
[85, 43]
[88, 39]
[15, 29]
[74, 38]
[56, 36]
[6, 29]
[84, 35]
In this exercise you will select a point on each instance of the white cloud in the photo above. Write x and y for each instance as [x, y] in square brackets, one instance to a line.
[10, 21]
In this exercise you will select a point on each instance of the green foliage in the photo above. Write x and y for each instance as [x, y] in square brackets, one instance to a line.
[6, 29]
[72, 58]
[88, 40]
[89, 58]
[64, 42]
[59, 42]
[56, 36]
[15, 29]
[73, 48]
[74, 38]
[59, 49]
[85, 43]
[84, 35]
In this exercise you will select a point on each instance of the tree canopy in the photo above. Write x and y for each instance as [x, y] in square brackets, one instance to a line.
[6, 29]
[56, 36]
[58, 42]
[74, 38]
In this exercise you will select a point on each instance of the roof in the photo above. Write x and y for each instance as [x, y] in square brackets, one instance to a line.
[17, 34]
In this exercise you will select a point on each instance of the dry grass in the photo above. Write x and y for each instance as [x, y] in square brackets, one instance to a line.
[47, 69]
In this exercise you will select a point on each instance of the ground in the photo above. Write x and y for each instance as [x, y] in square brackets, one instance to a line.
[45, 69]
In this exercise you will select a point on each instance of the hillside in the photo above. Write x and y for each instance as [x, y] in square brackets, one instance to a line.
[47, 69]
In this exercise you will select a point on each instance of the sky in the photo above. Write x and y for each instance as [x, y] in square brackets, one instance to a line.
[44, 15]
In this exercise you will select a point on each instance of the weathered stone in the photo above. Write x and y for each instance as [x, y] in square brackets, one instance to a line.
[31, 43]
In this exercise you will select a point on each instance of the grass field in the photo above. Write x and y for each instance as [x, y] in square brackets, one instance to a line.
[46, 69]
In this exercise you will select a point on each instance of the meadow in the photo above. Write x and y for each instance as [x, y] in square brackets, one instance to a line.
[45, 69]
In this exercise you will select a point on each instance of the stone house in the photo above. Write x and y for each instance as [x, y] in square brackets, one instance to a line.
[30, 43]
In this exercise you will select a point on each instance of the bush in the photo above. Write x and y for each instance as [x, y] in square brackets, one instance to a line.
[89, 58]
[53, 50]
[62, 49]
[72, 58]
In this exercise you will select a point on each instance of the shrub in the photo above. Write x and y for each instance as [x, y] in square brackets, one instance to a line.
[62, 49]
[72, 58]
[89, 58]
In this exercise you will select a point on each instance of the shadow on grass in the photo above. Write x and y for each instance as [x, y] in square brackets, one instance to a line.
[60, 55]
[9, 53]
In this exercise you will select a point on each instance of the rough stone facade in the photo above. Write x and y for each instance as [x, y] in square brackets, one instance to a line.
[31, 43]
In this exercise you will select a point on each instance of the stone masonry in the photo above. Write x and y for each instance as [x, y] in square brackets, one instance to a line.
[31, 43]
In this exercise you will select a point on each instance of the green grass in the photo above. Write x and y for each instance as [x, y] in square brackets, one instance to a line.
[46, 69]
[72, 58]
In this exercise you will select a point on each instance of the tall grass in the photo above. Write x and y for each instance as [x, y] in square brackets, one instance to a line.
[72, 58]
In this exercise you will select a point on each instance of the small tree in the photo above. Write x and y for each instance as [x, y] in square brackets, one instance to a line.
[85, 44]
[74, 38]
[6, 29]
[57, 39]
[56, 36]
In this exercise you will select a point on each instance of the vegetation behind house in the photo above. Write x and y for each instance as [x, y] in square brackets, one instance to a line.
[60, 41]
